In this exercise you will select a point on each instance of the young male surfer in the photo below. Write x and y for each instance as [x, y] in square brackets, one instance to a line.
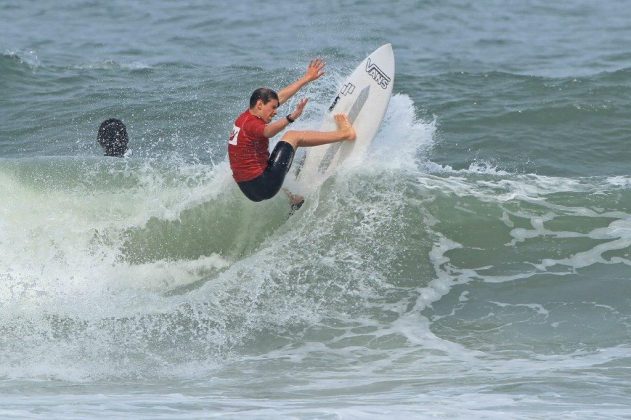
[259, 174]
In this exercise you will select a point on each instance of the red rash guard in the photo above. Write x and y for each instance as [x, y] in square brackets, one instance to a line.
[248, 148]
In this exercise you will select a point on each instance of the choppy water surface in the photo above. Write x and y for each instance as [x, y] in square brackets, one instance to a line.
[475, 264]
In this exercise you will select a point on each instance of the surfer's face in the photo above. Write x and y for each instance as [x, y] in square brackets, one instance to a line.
[267, 111]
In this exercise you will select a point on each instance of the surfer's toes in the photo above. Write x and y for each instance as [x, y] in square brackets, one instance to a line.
[296, 200]
[295, 205]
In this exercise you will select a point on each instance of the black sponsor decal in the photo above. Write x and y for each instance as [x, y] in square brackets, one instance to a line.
[347, 89]
[337, 98]
[377, 74]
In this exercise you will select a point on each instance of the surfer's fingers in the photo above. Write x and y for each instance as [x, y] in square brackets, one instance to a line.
[302, 103]
[317, 62]
[316, 66]
[300, 107]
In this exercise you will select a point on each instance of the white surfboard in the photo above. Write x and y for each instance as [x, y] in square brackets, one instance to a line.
[364, 97]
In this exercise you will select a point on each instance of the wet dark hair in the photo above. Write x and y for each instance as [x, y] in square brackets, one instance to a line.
[264, 94]
[112, 137]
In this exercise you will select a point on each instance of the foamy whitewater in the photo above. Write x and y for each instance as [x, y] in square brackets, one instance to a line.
[474, 264]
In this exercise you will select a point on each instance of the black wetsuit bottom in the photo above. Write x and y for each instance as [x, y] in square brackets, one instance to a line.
[267, 185]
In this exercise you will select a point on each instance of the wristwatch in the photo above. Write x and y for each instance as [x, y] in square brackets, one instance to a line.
[289, 118]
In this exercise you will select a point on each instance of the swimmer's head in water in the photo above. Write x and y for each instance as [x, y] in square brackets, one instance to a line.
[112, 137]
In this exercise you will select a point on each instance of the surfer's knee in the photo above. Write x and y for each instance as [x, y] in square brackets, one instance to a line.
[292, 138]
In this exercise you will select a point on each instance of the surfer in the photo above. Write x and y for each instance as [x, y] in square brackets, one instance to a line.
[112, 137]
[259, 174]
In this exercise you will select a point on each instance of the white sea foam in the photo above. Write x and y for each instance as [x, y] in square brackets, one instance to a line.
[329, 294]
[28, 57]
[402, 140]
[62, 248]
[113, 65]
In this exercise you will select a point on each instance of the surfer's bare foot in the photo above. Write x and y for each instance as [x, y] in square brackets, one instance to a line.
[344, 125]
[296, 200]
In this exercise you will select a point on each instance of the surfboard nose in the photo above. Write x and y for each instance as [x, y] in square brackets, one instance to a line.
[384, 49]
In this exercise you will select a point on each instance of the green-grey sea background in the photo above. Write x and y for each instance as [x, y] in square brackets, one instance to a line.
[474, 264]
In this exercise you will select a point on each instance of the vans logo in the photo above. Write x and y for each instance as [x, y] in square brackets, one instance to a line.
[377, 74]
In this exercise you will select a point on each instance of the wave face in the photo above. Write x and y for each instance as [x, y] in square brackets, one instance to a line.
[474, 263]
[154, 271]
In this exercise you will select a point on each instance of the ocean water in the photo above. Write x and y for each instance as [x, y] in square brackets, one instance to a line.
[474, 264]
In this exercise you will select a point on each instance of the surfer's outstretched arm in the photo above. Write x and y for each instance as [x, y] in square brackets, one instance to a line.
[345, 131]
[315, 70]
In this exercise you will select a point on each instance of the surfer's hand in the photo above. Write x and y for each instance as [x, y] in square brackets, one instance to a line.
[299, 108]
[315, 70]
